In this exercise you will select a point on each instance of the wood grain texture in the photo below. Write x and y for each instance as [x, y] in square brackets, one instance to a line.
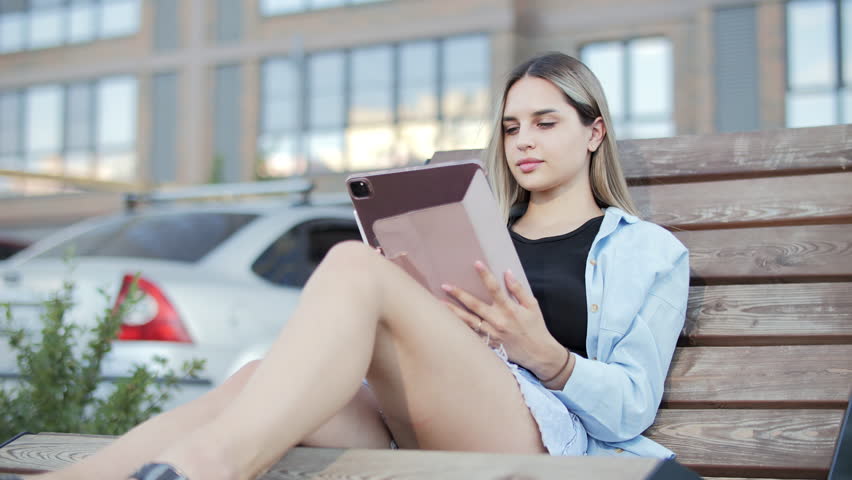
[769, 314]
[46, 452]
[788, 376]
[740, 155]
[751, 443]
[376, 464]
[774, 254]
[805, 199]
[789, 151]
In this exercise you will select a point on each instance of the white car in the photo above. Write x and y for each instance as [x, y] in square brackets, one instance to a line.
[220, 280]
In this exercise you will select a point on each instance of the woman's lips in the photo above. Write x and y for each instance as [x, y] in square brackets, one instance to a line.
[528, 166]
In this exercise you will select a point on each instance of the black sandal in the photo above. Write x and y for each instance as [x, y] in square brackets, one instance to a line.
[156, 471]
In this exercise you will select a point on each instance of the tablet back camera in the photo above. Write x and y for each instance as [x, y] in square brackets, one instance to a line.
[360, 188]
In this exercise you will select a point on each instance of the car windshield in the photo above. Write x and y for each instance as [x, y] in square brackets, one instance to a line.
[185, 237]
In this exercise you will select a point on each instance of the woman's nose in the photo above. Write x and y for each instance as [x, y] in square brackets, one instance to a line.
[524, 140]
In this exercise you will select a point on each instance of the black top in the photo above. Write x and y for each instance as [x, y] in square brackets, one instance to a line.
[556, 270]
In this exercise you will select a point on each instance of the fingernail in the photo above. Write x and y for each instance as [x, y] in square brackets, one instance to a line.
[511, 275]
[478, 264]
[446, 288]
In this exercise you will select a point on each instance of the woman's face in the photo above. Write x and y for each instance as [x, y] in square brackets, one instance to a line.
[547, 146]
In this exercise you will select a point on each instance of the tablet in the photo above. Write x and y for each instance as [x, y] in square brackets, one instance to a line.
[435, 221]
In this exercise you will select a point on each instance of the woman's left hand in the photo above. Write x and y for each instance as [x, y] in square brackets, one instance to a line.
[516, 324]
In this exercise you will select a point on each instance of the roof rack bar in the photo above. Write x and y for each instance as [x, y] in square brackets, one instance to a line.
[222, 191]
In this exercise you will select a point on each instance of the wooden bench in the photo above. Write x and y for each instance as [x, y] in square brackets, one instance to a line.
[763, 371]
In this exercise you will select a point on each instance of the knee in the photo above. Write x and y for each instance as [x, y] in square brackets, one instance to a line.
[350, 254]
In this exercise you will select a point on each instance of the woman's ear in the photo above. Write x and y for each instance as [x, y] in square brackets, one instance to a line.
[598, 130]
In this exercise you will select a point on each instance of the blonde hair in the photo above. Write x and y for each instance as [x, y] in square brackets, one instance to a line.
[584, 93]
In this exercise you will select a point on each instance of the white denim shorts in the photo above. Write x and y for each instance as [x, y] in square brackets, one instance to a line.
[562, 433]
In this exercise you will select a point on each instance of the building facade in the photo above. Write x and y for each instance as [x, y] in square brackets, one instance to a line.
[146, 93]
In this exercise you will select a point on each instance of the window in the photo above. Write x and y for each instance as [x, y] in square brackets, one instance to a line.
[116, 129]
[186, 237]
[79, 129]
[44, 112]
[291, 259]
[636, 76]
[13, 19]
[373, 107]
[11, 148]
[37, 24]
[284, 7]
[819, 62]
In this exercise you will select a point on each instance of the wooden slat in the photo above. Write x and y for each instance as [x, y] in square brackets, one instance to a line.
[774, 314]
[776, 254]
[740, 155]
[751, 443]
[790, 376]
[789, 151]
[806, 199]
[53, 451]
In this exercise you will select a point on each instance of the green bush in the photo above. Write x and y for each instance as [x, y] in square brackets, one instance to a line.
[60, 373]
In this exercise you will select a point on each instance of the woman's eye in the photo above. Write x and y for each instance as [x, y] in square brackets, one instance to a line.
[510, 130]
[546, 124]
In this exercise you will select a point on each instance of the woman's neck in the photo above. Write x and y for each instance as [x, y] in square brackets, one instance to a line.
[557, 212]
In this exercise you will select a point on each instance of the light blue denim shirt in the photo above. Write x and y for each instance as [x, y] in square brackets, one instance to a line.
[637, 283]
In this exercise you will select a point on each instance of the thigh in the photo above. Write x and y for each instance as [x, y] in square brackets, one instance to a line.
[440, 386]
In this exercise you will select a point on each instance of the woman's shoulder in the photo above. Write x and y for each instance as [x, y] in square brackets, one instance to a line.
[643, 235]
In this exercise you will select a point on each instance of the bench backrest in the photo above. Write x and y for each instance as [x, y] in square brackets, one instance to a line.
[763, 372]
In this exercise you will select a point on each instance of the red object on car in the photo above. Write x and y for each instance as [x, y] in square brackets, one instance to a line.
[162, 325]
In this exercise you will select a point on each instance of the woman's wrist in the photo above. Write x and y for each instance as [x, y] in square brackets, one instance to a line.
[551, 361]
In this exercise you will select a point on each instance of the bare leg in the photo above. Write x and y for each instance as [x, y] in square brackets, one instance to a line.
[124, 456]
[357, 425]
[439, 385]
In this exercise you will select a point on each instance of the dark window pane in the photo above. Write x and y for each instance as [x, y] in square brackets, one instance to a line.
[292, 258]
[180, 238]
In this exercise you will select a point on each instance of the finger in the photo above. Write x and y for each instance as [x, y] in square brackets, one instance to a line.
[473, 304]
[470, 319]
[491, 283]
[515, 287]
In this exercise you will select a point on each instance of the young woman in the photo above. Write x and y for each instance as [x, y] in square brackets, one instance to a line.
[574, 367]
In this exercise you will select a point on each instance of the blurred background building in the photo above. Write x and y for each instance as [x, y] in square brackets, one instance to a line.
[146, 93]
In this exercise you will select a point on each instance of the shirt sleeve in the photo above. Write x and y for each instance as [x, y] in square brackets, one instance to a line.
[617, 398]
